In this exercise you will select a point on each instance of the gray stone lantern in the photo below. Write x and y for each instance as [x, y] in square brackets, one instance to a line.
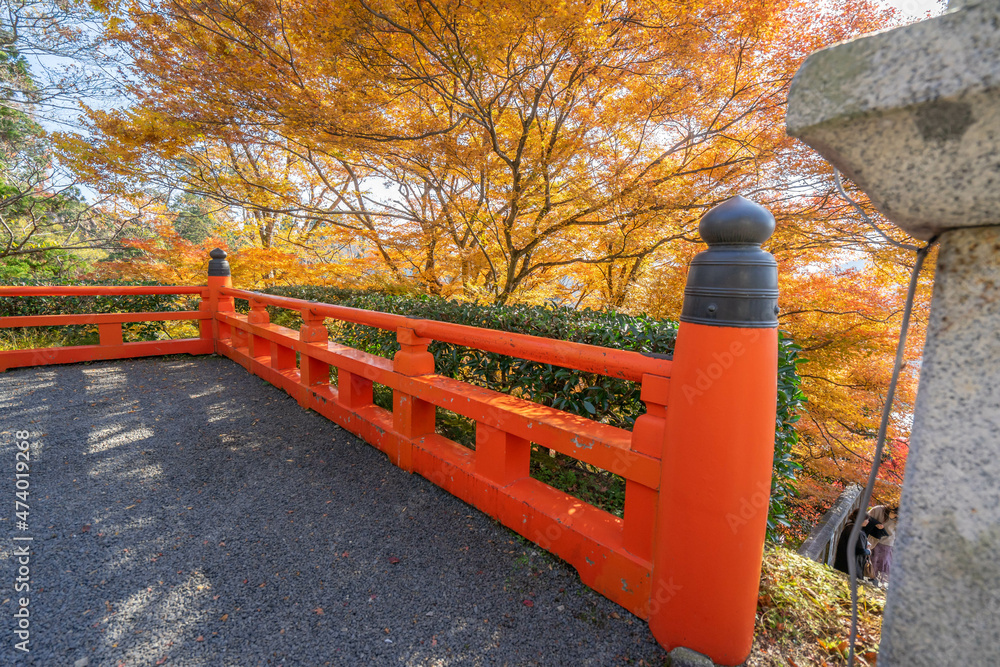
[912, 115]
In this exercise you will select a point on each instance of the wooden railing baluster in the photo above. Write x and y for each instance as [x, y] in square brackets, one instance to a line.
[259, 347]
[206, 326]
[647, 438]
[282, 357]
[411, 416]
[500, 456]
[312, 371]
[353, 390]
[110, 333]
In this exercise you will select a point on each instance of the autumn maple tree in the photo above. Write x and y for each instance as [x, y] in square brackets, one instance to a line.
[478, 149]
[509, 152]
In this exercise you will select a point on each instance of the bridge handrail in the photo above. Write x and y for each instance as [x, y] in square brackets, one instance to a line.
[109, 325]
[623, 364]
[821, 544]
[13, 321]
[99, 290]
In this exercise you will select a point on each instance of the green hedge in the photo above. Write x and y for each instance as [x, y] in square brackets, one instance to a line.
[790, 398]
[608, 400]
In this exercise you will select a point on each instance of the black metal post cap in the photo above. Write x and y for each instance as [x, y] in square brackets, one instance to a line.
[218, 266]
[736, 221]
[734, 283]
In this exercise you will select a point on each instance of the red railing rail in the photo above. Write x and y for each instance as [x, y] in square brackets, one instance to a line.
[98, 290]
[623, 364]
[109, 325]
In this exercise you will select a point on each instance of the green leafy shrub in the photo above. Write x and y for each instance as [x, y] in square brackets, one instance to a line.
[609, 400]
[790, 397]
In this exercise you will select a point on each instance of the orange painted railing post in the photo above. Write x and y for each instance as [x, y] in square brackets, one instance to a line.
[719, 441]
[259, 347]
[206, 327]
[647, 438]
[219, 277]
[411, 416]
[312, 371]
[353, 391]
[282, 356]
[110, 333]
[501, 457]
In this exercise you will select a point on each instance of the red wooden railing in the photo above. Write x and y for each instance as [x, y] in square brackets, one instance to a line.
[613, 555]
[109, 327]
[686, 555]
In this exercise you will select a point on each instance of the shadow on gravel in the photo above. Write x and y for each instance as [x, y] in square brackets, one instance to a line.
[184, 512]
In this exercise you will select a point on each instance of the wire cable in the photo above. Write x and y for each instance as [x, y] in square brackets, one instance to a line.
[838, 183]
[880, 443]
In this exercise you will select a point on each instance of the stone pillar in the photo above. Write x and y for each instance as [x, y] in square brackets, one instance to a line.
[912, 115]
[944, 602]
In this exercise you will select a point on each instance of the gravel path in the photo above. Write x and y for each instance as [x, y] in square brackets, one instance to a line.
[184, 512]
